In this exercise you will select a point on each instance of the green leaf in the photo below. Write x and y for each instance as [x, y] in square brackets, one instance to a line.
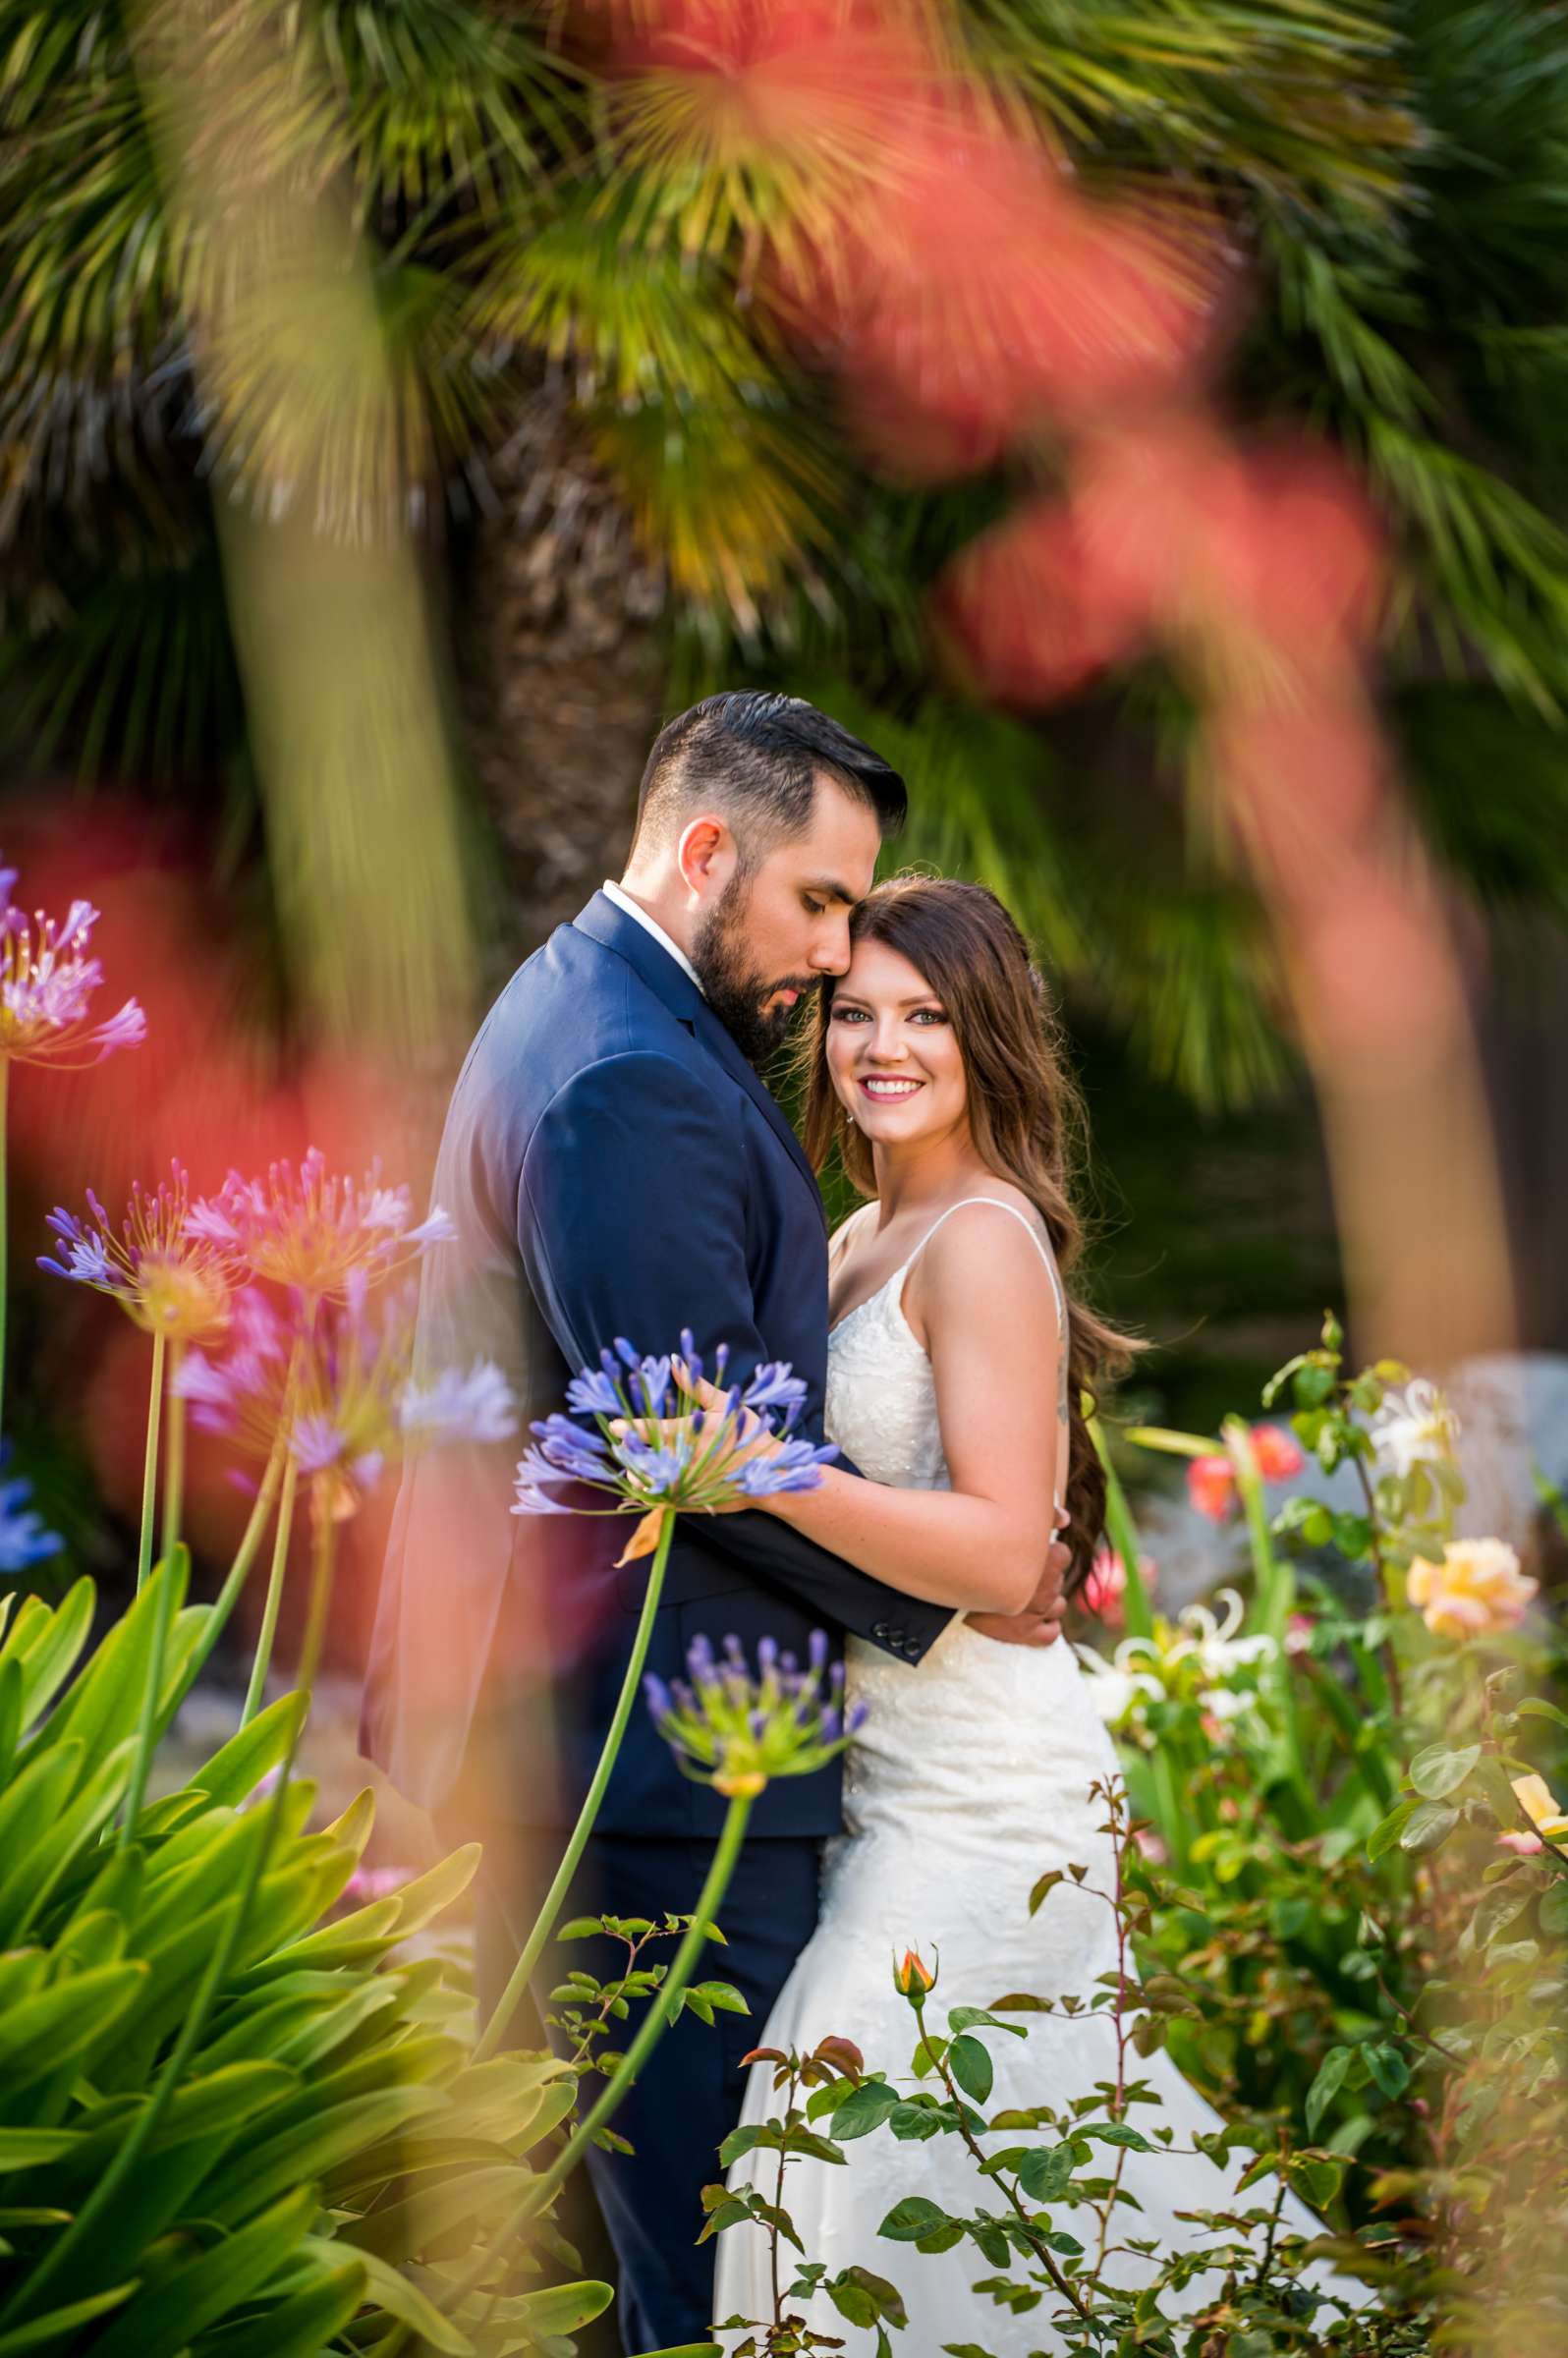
[911, 2218]
[24, 2149]
[1384, 1835]
[913, 2124]
[971, 2065]
[237, 1767]
[60, 2324]
[169, 2313]
[1047, 2172]
[67, 2023]
[1534, 1708]
[1427, 1827]
[1439, 1770]
[968, 2018]
[864, 2109]
[299, 2327]
[562, 2308]
[1388, 2068]
[47, 1647]
[1326, 2086]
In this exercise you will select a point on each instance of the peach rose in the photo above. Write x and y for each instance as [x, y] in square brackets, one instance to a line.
[1476, 1591]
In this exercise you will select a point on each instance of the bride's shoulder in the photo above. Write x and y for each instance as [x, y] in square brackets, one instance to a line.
[986, 1261]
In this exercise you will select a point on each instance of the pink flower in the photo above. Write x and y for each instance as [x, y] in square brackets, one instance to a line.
[1278, 1459]
[1298, 1633]
[1212, 1487]
[314, 1231]
[1105, 1588]
[1523, 1846]
[46, 980]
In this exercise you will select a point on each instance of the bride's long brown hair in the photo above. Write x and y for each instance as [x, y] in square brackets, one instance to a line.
[1025, 1116]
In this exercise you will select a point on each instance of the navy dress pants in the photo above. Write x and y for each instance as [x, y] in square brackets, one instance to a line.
[688, 2094]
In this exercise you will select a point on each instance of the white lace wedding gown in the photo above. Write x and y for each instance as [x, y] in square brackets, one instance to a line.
[968, 1781]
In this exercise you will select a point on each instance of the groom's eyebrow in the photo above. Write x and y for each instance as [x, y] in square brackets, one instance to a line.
[831, 889]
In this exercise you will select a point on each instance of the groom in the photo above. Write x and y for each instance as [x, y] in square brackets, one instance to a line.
[614, 1166]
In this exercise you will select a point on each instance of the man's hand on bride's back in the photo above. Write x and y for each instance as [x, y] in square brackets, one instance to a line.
[1041, 1621]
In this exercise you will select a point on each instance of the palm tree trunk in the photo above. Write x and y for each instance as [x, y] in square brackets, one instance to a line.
[562, 671]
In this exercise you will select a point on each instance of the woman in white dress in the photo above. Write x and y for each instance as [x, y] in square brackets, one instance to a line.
[957, 1364]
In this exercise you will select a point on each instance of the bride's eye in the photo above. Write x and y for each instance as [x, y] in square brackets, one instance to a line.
[930, 1015]
[849, 1015]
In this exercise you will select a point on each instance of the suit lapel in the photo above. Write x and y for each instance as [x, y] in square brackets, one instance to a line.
[669, 983]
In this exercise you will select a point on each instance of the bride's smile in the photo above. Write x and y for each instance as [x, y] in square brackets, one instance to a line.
[895, 1061]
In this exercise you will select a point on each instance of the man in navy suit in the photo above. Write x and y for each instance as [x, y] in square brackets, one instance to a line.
[614, 1166]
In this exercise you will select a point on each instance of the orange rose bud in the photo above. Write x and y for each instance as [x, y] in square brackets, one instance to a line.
[913, 1978]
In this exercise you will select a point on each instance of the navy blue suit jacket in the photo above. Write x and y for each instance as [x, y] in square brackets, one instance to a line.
[614, 1166]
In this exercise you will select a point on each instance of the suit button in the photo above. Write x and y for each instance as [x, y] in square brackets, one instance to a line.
[897, 1638]
[880, 1632]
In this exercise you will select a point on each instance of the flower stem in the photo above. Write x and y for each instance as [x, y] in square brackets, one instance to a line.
[149, 1471]
[554, 1899]
[173, 1455]
[229, 1595]
[1138, 1613]
[169, 1580]
[660, 2012]
[274, 1596]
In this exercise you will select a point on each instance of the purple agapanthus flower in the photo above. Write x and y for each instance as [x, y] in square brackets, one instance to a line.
[336, 1380]
[654, 1444]
[24, 1538]
[166, 1281]
[47, 984]
[737, 1730]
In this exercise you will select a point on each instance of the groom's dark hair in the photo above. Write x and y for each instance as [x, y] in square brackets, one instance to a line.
[756, 755]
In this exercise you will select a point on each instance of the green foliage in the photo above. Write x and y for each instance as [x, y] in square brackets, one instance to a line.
[315, 2155]
[1396, 174]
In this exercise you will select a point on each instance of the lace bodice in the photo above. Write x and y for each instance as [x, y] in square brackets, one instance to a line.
[881, 1395]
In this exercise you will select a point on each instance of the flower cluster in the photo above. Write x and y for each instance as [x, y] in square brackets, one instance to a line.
[46, 981]
[168, 1282]
[24, 1540]
[667, 1439]
[342, 1386]
[737, 1732]
[310, 1230]
[1198, 1659]
[1477, 1591]
[1211, 1479]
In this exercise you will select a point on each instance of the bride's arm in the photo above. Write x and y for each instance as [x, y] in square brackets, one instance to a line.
[983, 1295]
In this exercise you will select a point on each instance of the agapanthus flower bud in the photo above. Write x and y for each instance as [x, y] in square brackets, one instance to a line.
[737, 1731]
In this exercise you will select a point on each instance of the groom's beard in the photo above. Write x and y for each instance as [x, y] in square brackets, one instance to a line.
[732, 985]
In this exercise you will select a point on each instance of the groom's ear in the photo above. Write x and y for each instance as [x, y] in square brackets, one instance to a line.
[706, 856]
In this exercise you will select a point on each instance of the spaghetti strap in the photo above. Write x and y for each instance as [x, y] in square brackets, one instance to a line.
[1040, 1247]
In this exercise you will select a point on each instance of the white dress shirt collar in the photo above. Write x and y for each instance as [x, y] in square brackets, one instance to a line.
[650, 925]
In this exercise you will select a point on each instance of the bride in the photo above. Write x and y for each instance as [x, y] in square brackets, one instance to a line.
[957, 1367]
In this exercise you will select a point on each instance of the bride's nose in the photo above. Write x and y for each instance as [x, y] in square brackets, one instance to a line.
[885, 1046]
